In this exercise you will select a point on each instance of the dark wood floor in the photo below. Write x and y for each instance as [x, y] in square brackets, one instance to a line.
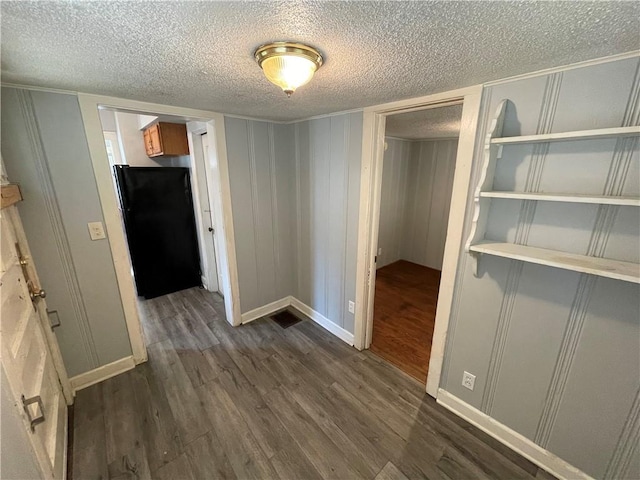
[404, 313]
[259, 401]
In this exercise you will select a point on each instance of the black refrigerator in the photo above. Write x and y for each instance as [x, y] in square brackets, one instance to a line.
[157, 208]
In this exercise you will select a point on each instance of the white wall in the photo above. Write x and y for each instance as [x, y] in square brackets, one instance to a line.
[108, 120]
[430, 183]
[417, 182]
[393, 200]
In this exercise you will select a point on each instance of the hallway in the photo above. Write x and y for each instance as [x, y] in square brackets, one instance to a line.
[260, 401]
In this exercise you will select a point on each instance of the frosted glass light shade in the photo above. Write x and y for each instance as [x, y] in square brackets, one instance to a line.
[288, 65]
[288, 72]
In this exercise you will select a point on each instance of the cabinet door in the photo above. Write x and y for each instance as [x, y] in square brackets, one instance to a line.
[155, 140]
[147, 143]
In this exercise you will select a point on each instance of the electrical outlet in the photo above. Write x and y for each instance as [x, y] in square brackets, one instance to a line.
[380, 251]
[352, 307]
[468, 380]
[96, 230]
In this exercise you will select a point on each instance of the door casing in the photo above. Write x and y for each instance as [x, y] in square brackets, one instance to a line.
[89, 106]
[373, 130]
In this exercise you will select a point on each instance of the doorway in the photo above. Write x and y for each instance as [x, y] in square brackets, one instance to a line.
[160, 204]
[373, 140]
[417, 181]
[157, 164]
[217, 175]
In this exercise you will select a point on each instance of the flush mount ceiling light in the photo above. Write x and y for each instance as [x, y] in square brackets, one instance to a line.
[288, 65]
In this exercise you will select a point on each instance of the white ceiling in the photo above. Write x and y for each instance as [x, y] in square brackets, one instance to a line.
[199, 54]
[443, 122]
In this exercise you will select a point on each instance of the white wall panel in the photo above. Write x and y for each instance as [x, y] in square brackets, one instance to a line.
[417, 182]
[262, 176]
[328, 152]
[431, 170]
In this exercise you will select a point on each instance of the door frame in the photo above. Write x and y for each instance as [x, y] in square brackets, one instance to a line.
[89, 106]
[213, 213]
[373, 130]
[208, 252]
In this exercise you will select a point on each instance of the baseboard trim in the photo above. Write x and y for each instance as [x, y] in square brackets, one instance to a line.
[518, 443]
[290, 301]
[265, 310]
[323, 321]
[102, 373]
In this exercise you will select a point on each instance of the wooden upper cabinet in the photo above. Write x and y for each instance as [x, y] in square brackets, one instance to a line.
[166, 139]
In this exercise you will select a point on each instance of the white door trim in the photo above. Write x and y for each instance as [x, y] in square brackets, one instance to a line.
[373, 129]
[209, 274]
[89, 105]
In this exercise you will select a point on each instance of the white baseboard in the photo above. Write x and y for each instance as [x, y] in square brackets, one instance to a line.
[317, 317]
[323, 321]
[100, 374]
[265, 310]
[518, 443]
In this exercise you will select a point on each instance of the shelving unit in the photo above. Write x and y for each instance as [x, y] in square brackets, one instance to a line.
[477, 245]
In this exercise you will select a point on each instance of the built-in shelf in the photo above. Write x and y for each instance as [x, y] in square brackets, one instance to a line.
[567, 136]
[565, 197]
[603, 267]
[477, 244]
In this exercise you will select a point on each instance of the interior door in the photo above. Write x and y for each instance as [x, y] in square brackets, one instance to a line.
[209, 212]
[35, 374]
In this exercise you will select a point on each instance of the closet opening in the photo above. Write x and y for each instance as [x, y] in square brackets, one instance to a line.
[417, 181]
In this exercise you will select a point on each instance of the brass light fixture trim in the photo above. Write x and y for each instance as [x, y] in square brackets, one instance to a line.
[280, 64]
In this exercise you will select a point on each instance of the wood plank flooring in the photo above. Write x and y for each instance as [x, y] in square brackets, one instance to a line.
[404, 313]
[260, 401]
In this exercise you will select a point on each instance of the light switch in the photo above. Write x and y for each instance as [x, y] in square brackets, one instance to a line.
[96, 230]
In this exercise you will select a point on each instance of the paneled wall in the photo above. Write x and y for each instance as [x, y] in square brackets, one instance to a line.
[328, 157]
[262, 175]
[556, 353]
[417, 181]
[429, 189]
[45, 150]
[393, 200]
[295, 197]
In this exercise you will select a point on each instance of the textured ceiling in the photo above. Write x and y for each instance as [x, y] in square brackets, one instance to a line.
[199, 54]
[443, 122]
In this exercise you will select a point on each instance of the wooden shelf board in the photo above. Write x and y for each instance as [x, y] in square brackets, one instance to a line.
[604, 267]
[565, 197]
[577, 135]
